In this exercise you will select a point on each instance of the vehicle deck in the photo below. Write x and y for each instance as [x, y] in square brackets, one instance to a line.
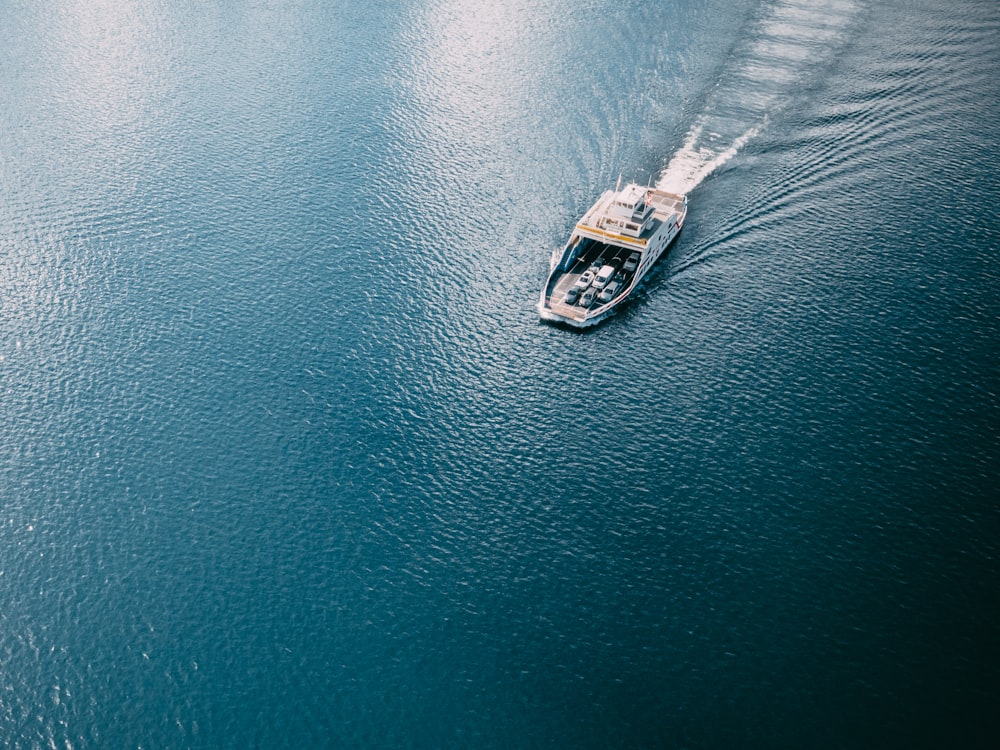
[597, 253]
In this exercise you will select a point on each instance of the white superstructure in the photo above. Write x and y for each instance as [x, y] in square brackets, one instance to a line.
[626, 230]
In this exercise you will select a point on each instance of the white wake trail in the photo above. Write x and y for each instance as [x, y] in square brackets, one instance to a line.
[788, 40]
[695, 161]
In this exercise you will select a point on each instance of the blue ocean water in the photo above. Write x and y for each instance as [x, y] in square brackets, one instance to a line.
[288, 460]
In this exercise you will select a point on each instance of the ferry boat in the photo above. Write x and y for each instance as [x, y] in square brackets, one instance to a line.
[610, 251]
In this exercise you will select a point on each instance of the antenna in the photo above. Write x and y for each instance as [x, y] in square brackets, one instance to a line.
[619, 183]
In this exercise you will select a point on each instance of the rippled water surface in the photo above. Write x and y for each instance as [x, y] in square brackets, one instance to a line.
[288, 460]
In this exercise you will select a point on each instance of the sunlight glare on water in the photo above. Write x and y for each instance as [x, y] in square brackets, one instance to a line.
[287, 458]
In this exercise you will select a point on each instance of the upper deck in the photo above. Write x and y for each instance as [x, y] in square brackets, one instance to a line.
[664, 204]
[629, 218]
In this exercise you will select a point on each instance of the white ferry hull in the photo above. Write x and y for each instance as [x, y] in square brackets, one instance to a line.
[627, 231]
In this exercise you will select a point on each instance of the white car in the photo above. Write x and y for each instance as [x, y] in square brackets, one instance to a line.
[584, 281]
[632, 263]
[604, 276]
[608, 292]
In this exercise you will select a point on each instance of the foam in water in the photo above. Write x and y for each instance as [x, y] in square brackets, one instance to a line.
[789, 38]
[695, 160]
